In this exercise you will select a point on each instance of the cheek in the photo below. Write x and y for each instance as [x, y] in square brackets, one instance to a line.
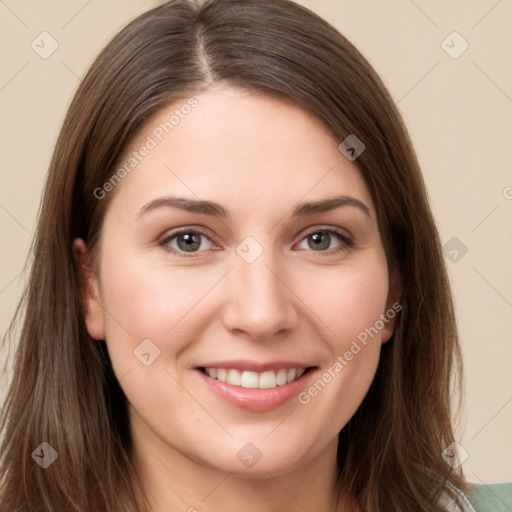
[154, 301]
[149, 321]
[148, 311]
[347, 299]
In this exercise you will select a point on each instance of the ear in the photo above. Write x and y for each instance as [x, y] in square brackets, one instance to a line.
[89, 291]
[393, 305]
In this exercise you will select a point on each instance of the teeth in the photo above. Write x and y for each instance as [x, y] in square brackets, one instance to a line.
[248, 379]
[267, 380]
[233, 377]
[253, 380]
[281, 377]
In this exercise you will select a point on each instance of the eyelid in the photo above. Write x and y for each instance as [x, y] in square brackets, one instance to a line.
[185, 229]
[329, 229]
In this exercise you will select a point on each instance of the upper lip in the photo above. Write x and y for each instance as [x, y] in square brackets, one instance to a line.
[254, 366]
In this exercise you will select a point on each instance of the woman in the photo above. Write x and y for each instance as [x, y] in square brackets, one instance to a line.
[238, 299]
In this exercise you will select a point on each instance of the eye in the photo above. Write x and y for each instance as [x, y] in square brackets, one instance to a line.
[321, 239]
[186, 240]
[191, 240]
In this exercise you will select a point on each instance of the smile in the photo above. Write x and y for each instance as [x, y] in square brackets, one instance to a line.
[254, 386]
[254, 380]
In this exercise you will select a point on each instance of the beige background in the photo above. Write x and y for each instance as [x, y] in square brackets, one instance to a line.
[459, 113]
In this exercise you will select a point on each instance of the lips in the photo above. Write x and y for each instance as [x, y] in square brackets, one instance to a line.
[256, 386]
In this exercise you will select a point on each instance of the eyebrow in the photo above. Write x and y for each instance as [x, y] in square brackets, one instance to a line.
[216, 210]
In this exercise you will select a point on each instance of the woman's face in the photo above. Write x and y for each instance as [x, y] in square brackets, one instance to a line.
[244, 245]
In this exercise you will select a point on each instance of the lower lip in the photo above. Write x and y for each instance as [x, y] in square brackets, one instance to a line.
[256, 399]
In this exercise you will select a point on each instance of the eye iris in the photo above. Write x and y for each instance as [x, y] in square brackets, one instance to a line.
[318, 238]
[192, 241]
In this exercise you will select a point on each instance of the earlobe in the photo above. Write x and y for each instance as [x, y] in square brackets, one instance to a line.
[393, 305]
[89, 291]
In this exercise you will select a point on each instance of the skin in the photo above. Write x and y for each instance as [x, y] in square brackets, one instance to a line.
[258, 157]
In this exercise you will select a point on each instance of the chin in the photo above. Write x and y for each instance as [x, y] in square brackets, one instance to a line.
[256, 460]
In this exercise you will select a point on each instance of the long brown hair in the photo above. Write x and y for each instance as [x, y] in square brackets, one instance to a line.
[63, 390]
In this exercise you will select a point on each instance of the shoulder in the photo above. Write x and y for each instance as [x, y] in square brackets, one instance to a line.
[479, 498]
[491, 497]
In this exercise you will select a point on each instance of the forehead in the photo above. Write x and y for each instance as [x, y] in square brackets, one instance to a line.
[239, 148]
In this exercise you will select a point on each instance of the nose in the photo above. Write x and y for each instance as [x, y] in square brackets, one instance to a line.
[260, 303]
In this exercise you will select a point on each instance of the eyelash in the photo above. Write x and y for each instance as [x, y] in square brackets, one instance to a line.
[346, 242]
